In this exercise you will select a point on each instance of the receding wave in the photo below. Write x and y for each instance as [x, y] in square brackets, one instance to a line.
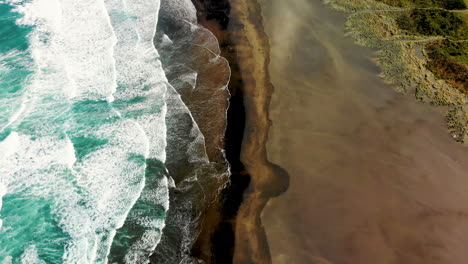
[196, 124]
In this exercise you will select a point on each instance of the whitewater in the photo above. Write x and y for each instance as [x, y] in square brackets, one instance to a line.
[86, 117]
[104, 159]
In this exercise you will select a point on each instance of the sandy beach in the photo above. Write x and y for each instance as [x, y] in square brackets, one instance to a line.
[374, 175]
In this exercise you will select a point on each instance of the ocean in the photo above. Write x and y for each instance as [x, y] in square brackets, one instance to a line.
[111, 130]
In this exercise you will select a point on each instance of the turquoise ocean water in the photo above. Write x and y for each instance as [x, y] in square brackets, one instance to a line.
[82, 132]
[102, 158]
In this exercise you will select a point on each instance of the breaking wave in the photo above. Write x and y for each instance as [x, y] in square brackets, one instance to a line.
[109, 150]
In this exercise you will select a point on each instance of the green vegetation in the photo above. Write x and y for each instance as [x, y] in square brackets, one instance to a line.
[448, 60]
[446, 4]
[440, 77]
[464, 15]
[434, 22]
[455, 50]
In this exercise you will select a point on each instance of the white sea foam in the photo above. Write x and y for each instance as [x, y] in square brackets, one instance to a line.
[166, 41]
[91, 51]
[15, 116]
[139, 72]
[177, 107]
[70, 157]
[182, 10]
[156, 192]
[140, 75]
[188, 36]
[9, 145]
[30, 170]
[30, 256]
[8, 260]
[82, 43]
[190, 78]
[73, 46]
[86, 41]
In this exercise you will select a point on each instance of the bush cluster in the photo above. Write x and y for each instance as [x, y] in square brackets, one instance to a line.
[434, 22]
[446, 4]
[447, 60]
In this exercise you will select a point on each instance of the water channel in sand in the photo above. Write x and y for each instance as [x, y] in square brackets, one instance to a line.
[374, 175]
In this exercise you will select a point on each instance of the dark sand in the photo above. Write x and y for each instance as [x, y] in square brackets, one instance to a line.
[374, 176]
[232, 231]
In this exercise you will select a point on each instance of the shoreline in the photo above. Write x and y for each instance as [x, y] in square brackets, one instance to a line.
[232, 231]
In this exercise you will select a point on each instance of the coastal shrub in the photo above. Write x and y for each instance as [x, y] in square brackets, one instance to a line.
[446, 4]
[448, 61]
[434, 22]
[457, 50]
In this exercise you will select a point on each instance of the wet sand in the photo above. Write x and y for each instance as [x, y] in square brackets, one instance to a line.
[374, 175]
[232, 231]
